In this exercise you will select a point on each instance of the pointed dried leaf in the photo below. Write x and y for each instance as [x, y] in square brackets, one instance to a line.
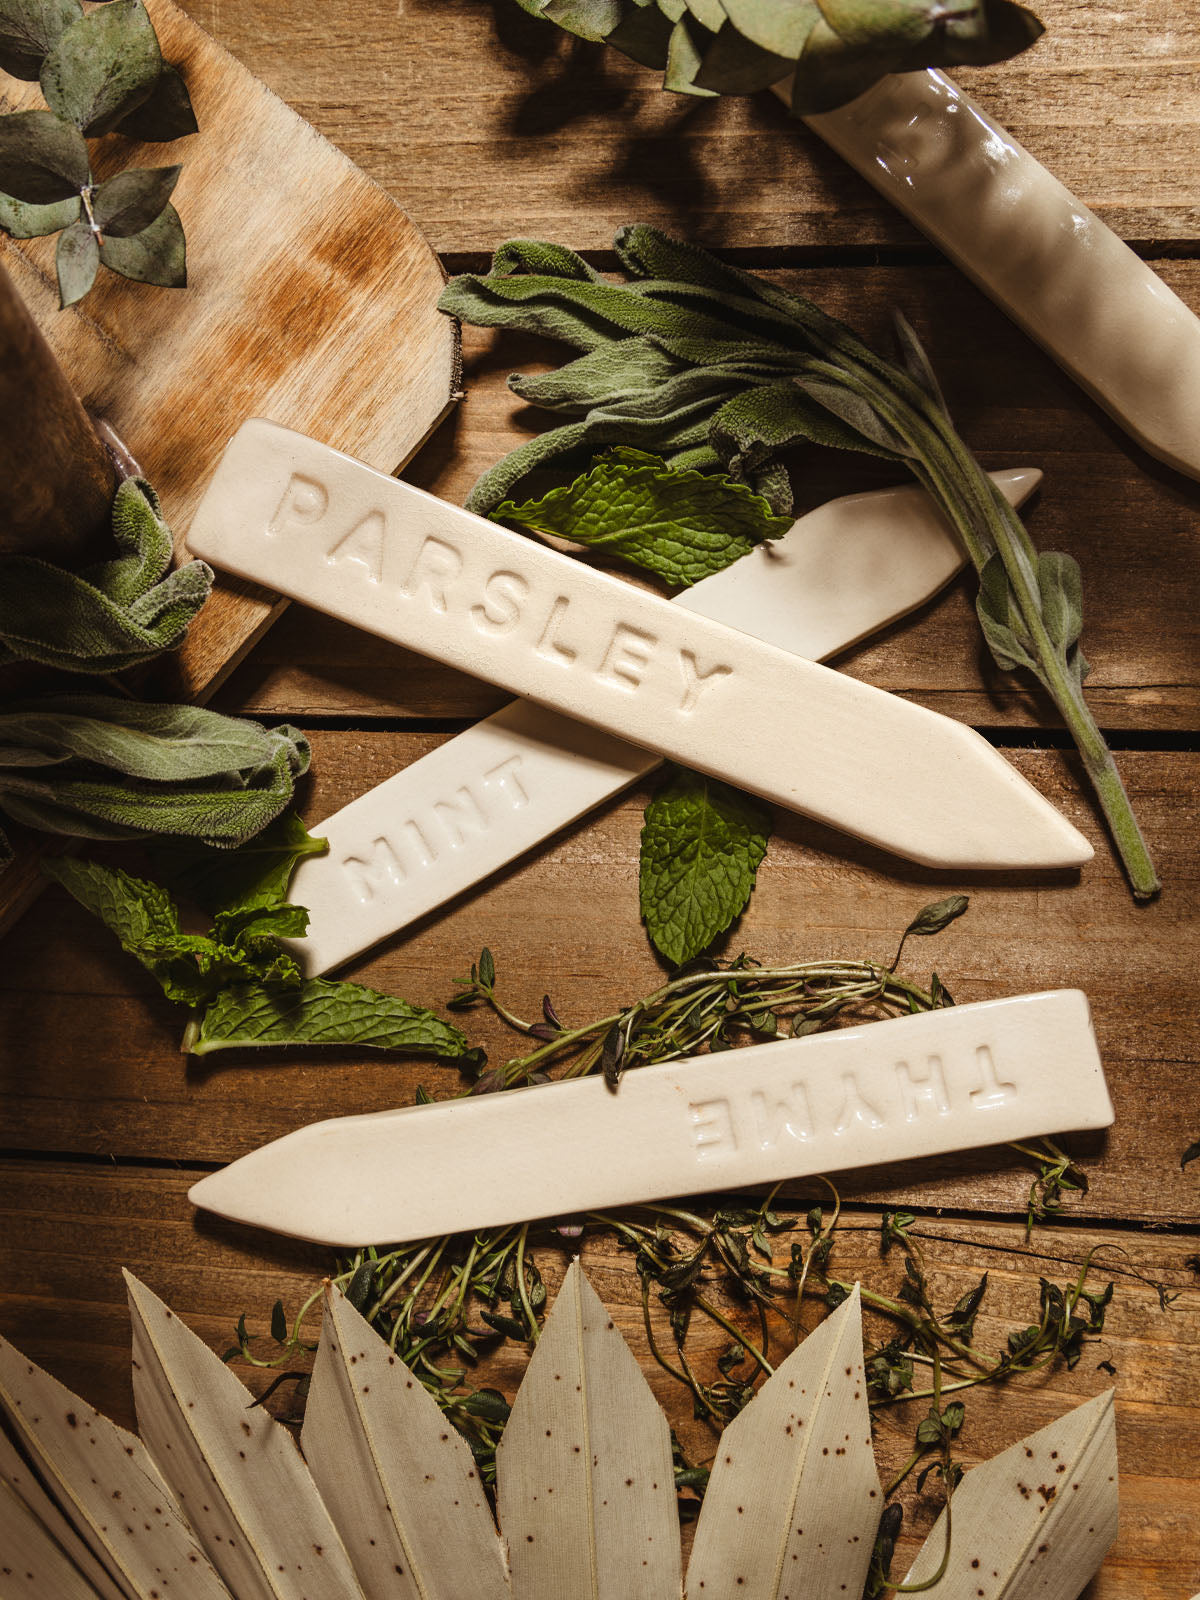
[586, 1491]
[103, 1480]
[236, 1471]
[19, 1481]
[399, 1481]
[35, 1568]
[794, 1500]
[1035, 1520]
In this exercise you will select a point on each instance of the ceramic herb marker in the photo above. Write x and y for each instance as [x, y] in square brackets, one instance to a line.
[512, 780]
[1059, 272]
[951, 1079]
[289, 512]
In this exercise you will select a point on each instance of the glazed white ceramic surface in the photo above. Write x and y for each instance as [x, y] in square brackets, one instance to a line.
[511, 781]
[320, 527]
[923, 1085]
[1061, 275]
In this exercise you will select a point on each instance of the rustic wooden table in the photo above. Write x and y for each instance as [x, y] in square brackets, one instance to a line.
[484, 124]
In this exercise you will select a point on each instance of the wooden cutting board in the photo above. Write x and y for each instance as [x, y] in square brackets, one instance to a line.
[311, 299]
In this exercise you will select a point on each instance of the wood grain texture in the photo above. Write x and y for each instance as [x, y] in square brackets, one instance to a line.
[1131, 523]
[90, 1049]
[484, 122]
[311, 300]
[66, 1309]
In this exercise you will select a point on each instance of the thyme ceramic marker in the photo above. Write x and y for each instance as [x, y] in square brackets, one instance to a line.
[286, 511]
[952, 1079]
[1054, 267]
[485, 797]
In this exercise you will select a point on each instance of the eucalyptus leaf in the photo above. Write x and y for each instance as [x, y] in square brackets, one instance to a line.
[129, 202]
[76, 261]
[702, 844]
[320, 1011]
[780, 26]
[682, 526]
[157, 255]
[22, 221]
[735, 65]
[644, 35]
[29, 29]
[102, 67]
[42, 158]
[165, 114]
[685, 56]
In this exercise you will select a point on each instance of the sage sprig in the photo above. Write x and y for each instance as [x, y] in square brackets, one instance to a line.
[100, 767]
[117, 613]
[832, 50]
[709, 365]
[100, 72]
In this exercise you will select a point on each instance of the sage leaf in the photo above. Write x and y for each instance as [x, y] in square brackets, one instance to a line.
[702, 844]
[102, 67]
[682, 526]
[76, 261]
[915, 362]
[1000, 619]
[320, 1011]
[158, 254]
[42, 158]
[22, 221]
[131, 201]
[257, 873]
[29, 29]
[165, 114]
[112, 615]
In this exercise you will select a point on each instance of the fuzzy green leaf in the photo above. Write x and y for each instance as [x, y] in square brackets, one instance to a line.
[42, 158]
[29, 29]
[21, 221]
[76, 261]
[157, 255]
[320, 1011]
[682, 526]
[701, 847]
[113, 615]
[130, 202]
[255, 874]
[1000, 619]
[102, 67]
[165, 114]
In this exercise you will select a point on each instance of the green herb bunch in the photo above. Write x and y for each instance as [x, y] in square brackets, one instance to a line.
[241, 983]
[831, 50]
[727, 1266]
[716, 369]
[100, 72]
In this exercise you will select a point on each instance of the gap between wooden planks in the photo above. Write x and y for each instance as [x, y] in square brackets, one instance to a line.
[72, 1226]
[89, 1056]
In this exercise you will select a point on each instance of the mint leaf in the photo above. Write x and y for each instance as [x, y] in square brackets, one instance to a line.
[323, 1012]
[701, 847]
[679, 524]
[257, 873]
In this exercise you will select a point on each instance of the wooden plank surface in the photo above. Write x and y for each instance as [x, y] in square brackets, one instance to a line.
[484, 124]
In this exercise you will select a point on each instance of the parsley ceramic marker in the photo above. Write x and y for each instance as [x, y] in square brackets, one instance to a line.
[1049, 262]
[509, 782]
[953, 1079]
[322, 528]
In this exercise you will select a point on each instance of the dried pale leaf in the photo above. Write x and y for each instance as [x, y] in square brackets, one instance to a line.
[399, 1481]
[236, 1471]
[104, 1481]
[18, 1479]
[35, 1568]
[586, 1490]
[1036, 1520]
[794, 1500]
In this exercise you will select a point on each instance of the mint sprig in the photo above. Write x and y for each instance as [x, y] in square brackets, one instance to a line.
[702, 845]
[242, 986]
[679, 524]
